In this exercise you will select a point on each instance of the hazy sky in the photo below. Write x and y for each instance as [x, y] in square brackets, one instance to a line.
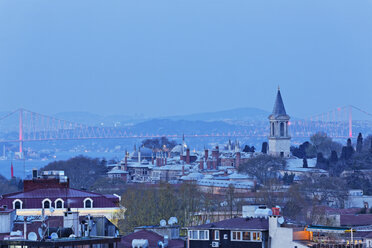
[167, 57]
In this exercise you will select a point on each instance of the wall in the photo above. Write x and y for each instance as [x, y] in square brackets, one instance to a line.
[6, 221]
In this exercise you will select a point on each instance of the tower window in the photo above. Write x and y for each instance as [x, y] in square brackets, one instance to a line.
[281, 129]
[272, 129]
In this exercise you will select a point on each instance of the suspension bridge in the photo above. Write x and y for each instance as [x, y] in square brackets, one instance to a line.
[32, 126]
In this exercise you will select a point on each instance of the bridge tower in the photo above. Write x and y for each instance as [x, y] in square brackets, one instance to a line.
[21, 132]
[279, 139]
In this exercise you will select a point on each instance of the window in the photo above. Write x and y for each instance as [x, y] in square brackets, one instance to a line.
[245, 236]
[282, 129]
[199, 235]
[88, 203]
[58, 204]
[17, 204]
[272, 129]
[46, 203]
[216, 235]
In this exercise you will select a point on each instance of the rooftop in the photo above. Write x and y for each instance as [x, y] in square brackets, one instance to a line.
[237, 224]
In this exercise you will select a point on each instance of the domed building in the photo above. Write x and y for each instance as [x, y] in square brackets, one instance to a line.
[142, 153]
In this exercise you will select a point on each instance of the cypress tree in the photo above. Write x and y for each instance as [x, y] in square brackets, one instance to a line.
[348, 143]
[359, 145]
[304, 163]
[264, 147]
[333, 158]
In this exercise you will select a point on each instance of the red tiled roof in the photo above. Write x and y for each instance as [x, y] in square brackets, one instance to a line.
[152, 237]
[237, 223]
[75, 197]
[52, 193]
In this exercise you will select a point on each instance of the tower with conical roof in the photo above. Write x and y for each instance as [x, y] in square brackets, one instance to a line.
[279, 139]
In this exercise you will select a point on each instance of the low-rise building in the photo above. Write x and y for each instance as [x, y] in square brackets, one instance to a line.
[50, 193]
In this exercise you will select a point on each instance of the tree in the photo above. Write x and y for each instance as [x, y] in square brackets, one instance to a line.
[288, 179]
[82, 172]
[264, 147]
[263, 167]
[230, 197]
[321, 162]
[247, 148]
[359, 146]
[304, 163]
[347, 151]
[333, 159]
[324, 144]
[306, 149]
[325, 190]
[295, 203]
[158, 143]
[9, 186]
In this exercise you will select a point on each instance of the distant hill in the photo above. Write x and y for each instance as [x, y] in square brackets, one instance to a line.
[96, 120]
[241, 114]
[177, 127]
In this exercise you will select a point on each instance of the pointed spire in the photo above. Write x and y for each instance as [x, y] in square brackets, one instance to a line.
[279, 109]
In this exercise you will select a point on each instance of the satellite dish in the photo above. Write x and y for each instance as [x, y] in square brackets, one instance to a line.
[32, 236]
[40, 231]
[172, 220]
[281, 220]
[163, 223]
[51, 209]
[54, 236]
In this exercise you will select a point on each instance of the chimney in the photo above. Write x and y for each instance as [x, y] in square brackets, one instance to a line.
[152, 158]
[188, 156]
[214, 163]
[237, 160]
[201, 164]
[276, 211]
[206, 154]
[209, 164]
[183, 170]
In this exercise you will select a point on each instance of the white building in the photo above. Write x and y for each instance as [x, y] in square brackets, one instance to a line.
[279, 139]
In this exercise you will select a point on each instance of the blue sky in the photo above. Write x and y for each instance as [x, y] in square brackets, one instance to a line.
[171, 57]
